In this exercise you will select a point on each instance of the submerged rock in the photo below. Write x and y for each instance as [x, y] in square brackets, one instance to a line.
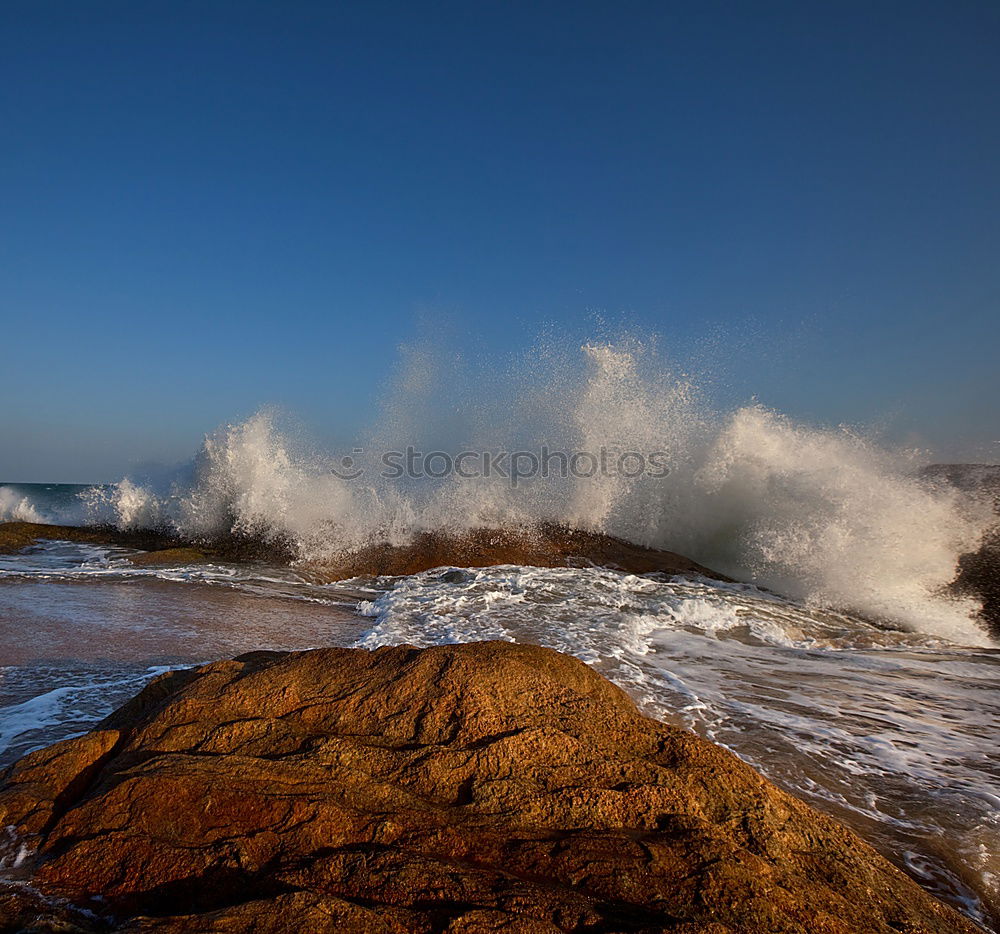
[162, 546]
[468, 788]
[168, 556]
[16, 536]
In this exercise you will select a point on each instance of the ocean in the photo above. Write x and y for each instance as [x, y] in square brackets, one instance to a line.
[839, 664]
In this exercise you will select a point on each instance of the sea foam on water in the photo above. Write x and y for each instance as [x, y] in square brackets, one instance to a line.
[824, 515]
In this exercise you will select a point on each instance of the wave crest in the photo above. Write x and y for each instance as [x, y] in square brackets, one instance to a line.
[16, 507]
[823, 515]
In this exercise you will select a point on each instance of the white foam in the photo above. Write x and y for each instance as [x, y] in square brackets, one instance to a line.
[57, 561]
[663, 637]
[823, 515]
[69, 709]
[16, 507]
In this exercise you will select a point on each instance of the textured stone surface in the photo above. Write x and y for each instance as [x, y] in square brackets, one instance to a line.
[473, 788]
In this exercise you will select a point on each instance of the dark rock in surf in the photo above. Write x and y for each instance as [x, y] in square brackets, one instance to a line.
[473, 788]
[979, 576]
[541, 546]
[978, 571]
[168, 556]
[544, 545]
[17, 536]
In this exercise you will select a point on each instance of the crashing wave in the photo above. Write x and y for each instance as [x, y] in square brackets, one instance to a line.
[826, 516]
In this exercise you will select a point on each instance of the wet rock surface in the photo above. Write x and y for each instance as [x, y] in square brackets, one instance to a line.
[978, 571]
[544, 545]
[162, 546]
[468, 788]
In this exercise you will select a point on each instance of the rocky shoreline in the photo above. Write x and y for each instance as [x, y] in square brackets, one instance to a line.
[545, 545]
[483, 787]
[475, 788]
[159, 545]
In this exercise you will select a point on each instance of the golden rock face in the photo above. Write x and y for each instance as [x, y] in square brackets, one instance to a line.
[479, 787]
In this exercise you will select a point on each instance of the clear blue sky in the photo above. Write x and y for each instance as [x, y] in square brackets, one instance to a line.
[211, 206]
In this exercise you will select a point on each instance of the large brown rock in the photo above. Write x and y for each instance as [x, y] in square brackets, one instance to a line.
[468, 788]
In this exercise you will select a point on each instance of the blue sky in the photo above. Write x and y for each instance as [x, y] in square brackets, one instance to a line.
[208, 207]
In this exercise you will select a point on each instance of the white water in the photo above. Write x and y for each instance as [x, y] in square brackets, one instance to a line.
[15, 506]
[826, 516]
[55, 503]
